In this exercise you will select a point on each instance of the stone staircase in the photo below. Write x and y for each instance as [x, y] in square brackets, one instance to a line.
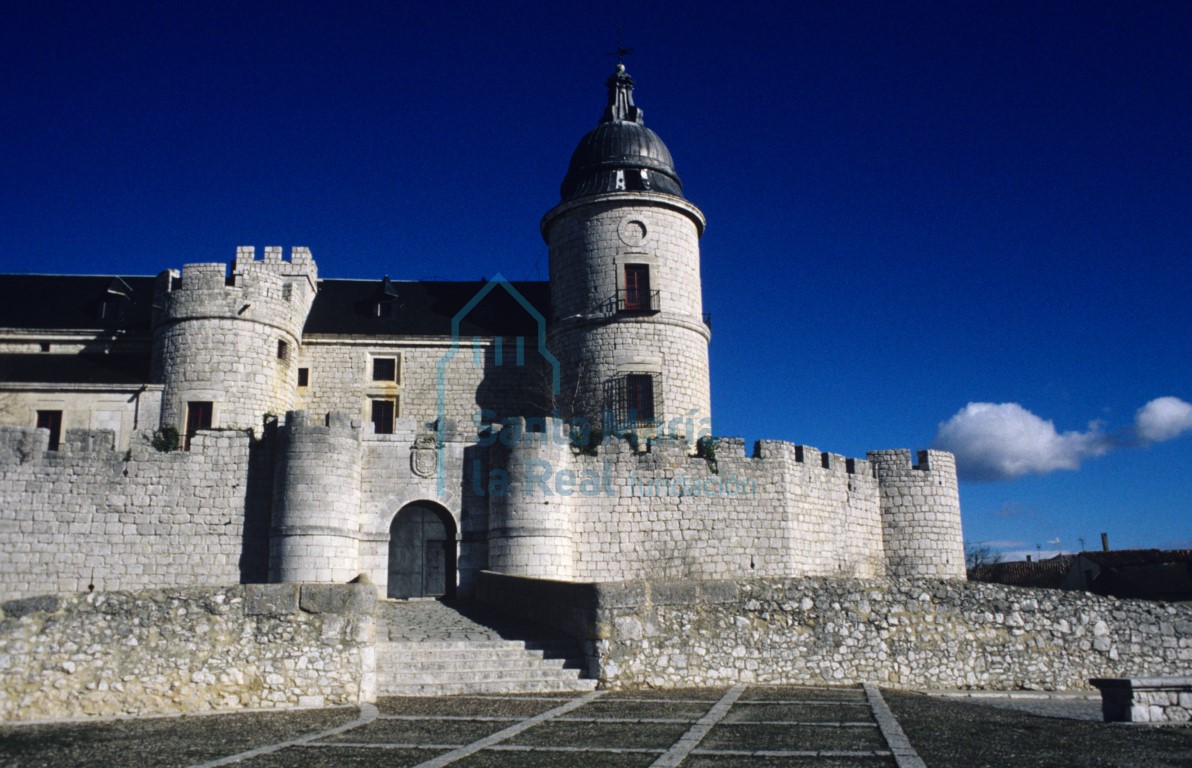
[437, 648]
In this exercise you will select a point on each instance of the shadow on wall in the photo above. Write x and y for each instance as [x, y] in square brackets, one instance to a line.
[258, 507]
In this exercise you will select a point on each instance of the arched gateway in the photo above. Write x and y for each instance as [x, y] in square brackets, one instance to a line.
[422, 552]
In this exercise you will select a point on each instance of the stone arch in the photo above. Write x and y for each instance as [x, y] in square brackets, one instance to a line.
[422, 552]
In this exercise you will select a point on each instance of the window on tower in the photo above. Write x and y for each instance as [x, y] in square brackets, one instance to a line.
[636, 295]
[630, 400]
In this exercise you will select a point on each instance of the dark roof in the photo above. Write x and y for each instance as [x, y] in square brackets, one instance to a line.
[1119, 557]
[1041, 573]
[75, 369]
[425, 308]
[621, 142]
[64, 302]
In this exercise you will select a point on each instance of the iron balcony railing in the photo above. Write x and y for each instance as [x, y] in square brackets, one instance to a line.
[632, 301]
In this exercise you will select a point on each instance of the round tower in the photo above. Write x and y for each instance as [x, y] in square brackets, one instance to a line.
[628, 325]
[226, 347]
[315, 533]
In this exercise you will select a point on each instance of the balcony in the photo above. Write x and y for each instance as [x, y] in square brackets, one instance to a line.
[632, 301]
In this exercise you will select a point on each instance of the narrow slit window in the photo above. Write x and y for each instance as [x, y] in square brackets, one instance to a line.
[283, 350]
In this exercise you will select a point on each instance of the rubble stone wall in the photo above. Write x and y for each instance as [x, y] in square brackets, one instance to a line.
[902, 633]
[186, 650]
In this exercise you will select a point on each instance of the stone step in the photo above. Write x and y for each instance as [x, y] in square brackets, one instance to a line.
[436, 649]
[488, 686]
[395, 666]
[475, 675]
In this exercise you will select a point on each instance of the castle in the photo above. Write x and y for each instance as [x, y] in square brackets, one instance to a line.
[263, 424]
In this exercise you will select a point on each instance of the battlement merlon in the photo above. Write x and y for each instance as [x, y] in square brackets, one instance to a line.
[898, 462]
[301, 263]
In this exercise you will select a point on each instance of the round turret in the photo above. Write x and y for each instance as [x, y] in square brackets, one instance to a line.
[226, 348]
[628, 322]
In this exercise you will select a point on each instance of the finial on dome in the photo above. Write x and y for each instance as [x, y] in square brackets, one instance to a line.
[620, 99]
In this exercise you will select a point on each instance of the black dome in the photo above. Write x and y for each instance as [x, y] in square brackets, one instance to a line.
[620, 153]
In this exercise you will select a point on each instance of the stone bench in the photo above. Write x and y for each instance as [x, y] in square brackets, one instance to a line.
[1145, 699]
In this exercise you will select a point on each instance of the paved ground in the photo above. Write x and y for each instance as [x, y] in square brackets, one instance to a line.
[740, 726]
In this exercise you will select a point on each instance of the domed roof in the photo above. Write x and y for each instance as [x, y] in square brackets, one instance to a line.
[620, 153]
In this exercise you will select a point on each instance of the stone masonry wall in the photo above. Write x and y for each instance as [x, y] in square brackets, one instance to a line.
[591, 241]
[902, 633]
[920, 513]
[788, 510]
[130, 520]
[233, 343]
[341, 380]
[186, 650]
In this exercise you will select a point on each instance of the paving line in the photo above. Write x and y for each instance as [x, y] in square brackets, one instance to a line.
[690, 740]
[608, 750]
[804, 723]
[904, 754]
[368, 713]
[642, 720]
[466, 718]
[817, 702]
[508, 733]
[791, 752]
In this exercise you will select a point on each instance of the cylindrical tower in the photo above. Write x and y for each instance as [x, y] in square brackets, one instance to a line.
[628, 325]
[316, 501]
[226, 347]
[529, 530]
[920, 508]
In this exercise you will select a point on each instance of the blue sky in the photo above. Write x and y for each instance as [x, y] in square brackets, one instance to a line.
[911, 206]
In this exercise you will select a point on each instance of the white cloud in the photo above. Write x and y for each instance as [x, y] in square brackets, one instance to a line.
[1162, 419]
[1002, 441]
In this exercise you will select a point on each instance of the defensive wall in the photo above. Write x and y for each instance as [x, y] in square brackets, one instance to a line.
[87, 515]
[314, 501]
[182, 650]
[901, 633]
[609, 512]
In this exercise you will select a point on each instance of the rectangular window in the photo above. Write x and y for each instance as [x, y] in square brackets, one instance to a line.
[635, 294]
[304, 377]
[630, 401]
[384, 369]
[283, 350]
[384, 413]
[637, 287]
[198, 416]
[51, 420]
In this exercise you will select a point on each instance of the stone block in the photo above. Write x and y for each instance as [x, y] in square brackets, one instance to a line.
[338, 598]
[270, 599]
[15, 609]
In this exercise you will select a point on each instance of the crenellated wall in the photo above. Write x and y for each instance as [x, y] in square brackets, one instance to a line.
[920, 513]
[787, 510]
[136, 519]
[232, 340]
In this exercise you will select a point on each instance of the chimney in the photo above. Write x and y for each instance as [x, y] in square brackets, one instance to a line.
[1104, 542]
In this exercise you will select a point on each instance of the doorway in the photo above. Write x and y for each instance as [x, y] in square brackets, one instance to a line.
[422, 552]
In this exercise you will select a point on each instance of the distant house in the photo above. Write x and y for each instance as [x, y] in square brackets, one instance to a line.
[1149, 574]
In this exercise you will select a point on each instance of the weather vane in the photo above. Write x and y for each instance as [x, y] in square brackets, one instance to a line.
[622, 51]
